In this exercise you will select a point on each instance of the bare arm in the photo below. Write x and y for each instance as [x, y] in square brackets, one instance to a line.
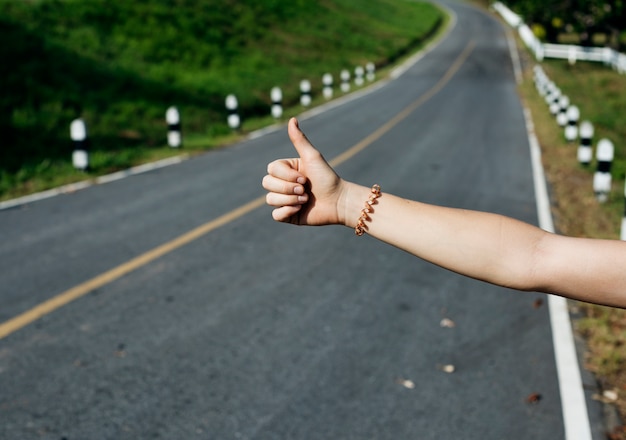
[497, 249]
[480, 245]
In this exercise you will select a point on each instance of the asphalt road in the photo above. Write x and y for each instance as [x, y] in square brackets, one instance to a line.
[256, 330]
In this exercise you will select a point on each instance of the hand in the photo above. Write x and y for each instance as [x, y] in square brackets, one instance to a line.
[304, 190]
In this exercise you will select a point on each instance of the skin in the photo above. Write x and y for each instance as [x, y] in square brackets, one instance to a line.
[489, 247]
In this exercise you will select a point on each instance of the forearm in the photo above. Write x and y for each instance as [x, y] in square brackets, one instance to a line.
[481, 245]
[496, 249]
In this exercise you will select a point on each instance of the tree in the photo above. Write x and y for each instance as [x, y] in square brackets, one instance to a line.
[585, 17]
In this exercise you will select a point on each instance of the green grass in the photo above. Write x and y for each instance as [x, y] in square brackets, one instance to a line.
[119, 65]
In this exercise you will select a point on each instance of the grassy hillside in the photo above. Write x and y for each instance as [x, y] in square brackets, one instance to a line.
[120, 65]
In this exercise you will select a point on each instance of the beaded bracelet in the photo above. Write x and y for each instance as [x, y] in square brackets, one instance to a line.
[360, 224]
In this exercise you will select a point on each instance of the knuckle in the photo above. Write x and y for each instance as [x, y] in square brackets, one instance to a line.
[287, 188]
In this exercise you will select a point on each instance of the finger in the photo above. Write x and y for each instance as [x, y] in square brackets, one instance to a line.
[285, 213]
[286, 169]
[299, 140]
[277, 185]
[275, 199]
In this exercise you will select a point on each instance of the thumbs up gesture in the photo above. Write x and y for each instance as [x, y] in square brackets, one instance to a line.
[304, 190]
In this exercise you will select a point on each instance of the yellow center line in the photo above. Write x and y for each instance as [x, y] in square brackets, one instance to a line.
[408, 110]
[46, 307]
[62, 299]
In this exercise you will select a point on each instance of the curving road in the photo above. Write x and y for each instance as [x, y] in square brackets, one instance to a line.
[230, 326]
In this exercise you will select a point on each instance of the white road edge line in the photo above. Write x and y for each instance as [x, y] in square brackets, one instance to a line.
[574, 405]
[73, 187]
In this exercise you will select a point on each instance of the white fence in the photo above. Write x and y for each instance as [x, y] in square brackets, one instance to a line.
[572, 53]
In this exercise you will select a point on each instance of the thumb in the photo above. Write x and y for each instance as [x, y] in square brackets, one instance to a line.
[299, 140]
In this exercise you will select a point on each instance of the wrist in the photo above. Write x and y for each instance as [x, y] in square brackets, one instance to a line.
[350, 203]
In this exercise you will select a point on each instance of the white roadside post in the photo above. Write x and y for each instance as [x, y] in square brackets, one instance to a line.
[80, 155]
[554, 99]
[541, 81]
[585, 149]
[571, 129]
[345, 81]
[277, 102]
[602, 176]
[561, 117]
[327, 81]
[548, 89]
[305, 92]
[371, 71]
[358, 76]
[571, 55]
[233, 117]
[174, 136]
[551, 90]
